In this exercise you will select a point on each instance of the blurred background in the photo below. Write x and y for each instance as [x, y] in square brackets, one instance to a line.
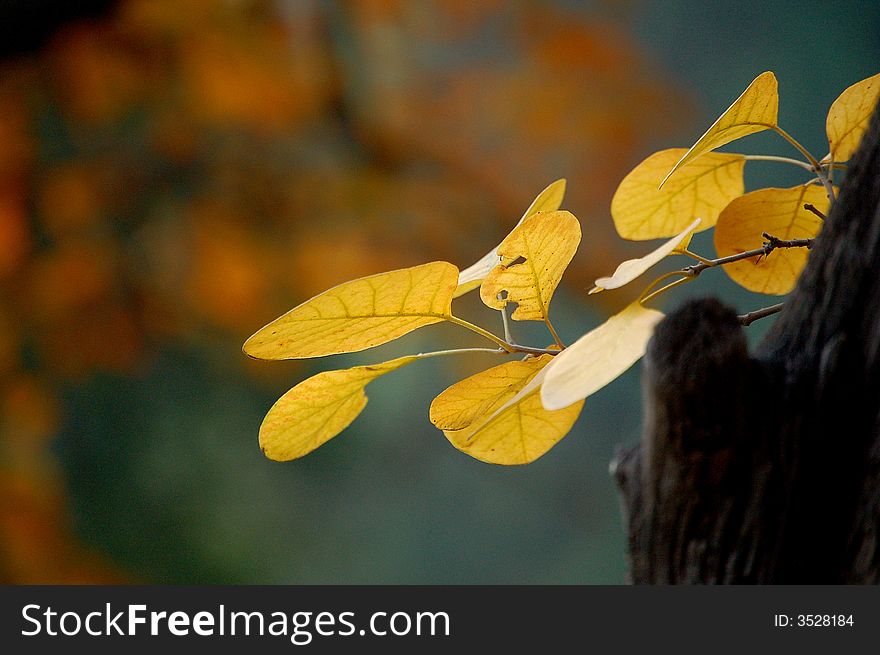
[175, 174]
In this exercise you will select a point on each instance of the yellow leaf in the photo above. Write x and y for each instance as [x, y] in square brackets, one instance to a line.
[633, 268]
[319, 408]
[359, 314]
[754, 111]
[685, 243]
[781, 213]
[496, 430]
[536, 255]
[848, 117]
[598, 357]
[550, 199]
[641, 210]
[477, 396]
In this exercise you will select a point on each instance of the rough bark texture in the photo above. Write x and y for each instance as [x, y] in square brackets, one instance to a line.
[765, 468]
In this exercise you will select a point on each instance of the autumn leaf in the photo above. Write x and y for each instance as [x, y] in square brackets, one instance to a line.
[319, 408]
[537, 252]
[641, 210]
[754, 111]
[359, 314]
[848, 117]
[477, 396]
[478, 417]
[550, 199]
[781, 213]
[633, 268]
[598, 357]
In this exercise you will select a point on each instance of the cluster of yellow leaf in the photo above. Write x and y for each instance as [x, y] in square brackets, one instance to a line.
[667, 191]
[515, 412]
[509, 414]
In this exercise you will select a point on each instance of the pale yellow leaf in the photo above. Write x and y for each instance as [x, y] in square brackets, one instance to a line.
[848, 117]
[498, 431]
[550, 199]
[319, 408]
[359, 314]
[536, 255]
[780, 213]
[641, 210]
[633, 268]
[598, 357]
[754, 111]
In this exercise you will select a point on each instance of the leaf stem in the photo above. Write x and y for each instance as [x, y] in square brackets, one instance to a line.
[658, 280]
[501, 343]
[816, 166]
[694, 255]
[457, 351]
[553, 333]
[784, 160]
[671, 285]
[506, 321]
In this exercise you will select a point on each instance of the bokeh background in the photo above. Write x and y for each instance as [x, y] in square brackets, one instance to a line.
[176, 173]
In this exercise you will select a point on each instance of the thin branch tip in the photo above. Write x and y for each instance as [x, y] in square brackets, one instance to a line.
[747, 319]
[812, 208]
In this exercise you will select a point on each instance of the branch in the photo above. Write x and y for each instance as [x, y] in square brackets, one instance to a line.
[504, 346]
[529, 350]
[812, 208]
[554, 334]
[817, 167]
[775, 242]
[688, 273]
[769, 246]
[747, 319]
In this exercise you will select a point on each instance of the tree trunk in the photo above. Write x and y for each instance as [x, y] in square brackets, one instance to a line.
[765, 468]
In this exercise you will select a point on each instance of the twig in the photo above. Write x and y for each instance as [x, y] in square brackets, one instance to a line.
[554, 334]
[775, 242]
[528, 350]
[817, 167]
[747, 319]
[771, 244]
[504, 346]
[812, 208]
[692, 271]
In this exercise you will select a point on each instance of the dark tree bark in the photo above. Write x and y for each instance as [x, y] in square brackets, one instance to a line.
[765, 468]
